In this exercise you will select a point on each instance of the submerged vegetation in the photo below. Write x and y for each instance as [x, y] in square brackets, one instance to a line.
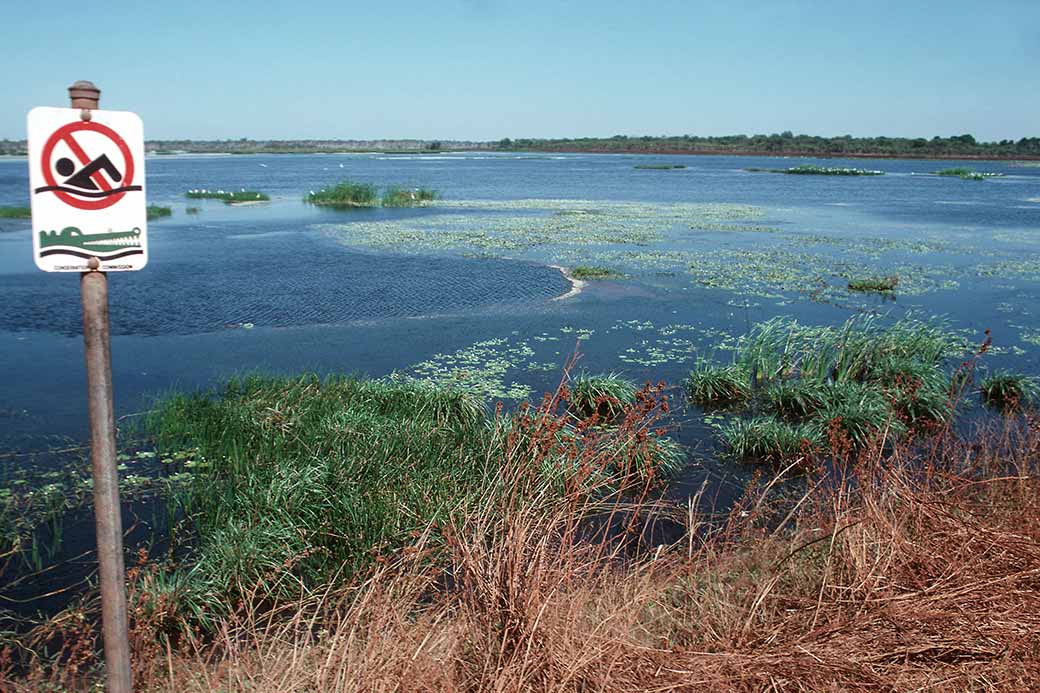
[15, 213]
[851, 386]
[157, 212]
[228, 196]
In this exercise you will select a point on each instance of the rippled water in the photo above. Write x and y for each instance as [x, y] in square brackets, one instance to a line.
[323, 300]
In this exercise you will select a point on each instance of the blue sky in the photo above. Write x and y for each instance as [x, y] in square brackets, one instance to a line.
[486, 69]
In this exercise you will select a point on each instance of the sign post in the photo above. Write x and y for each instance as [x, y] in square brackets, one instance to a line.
[86, 172]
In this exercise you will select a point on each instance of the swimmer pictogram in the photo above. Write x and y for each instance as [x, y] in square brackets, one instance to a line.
[87, 165]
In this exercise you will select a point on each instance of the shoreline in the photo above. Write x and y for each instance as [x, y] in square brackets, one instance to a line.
[577, 285]
[775, 155]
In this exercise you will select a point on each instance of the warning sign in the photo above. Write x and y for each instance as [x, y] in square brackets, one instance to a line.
[87, 189]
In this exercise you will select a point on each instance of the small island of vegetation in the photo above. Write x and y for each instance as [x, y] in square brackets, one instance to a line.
[966, 173]
[156, 212]
[874, 284]
[15, 213]
[811, 170]
[352, 194]
[230, 197]
[585, 272]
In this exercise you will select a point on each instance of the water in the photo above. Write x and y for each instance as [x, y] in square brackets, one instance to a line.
[315, 302]
[464, 291]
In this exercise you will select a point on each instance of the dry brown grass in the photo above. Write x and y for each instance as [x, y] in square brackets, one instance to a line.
[914, 570]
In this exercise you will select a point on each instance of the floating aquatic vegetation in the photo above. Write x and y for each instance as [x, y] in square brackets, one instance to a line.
[560, 231]
[480, 368]
[33, 496]
[1018, 269]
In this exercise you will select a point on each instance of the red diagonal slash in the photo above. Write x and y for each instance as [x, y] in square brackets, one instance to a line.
[84, 160]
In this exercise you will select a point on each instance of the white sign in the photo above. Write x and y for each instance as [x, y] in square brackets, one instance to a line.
[86, 186]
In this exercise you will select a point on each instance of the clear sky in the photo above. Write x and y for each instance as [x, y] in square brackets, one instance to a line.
[487, 69]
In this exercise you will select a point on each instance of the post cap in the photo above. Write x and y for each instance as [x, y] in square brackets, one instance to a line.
[84, 94]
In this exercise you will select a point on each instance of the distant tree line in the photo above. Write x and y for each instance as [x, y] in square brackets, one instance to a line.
[958, 146]
[789, 143]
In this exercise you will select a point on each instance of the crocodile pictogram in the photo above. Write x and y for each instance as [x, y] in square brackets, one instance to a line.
[104, 246]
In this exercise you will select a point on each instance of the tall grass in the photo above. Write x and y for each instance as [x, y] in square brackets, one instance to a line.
[602, 396]
[307, 482]
[1008, 391]
[917, 572]
[861, 383]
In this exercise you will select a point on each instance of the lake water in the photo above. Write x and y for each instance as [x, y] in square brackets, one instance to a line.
[465, 292]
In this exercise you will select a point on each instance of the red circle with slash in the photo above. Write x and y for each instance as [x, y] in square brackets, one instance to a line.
[66, 134]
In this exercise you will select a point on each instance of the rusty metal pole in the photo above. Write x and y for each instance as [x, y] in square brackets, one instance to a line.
[107, 514]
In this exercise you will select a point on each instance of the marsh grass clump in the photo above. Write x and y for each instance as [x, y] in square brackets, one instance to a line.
[1008, 391]
[858, 416]
[659, 167]
[593, 272]
[156, 212]
[766, 439]
[603, 396]
[402, 197]
[712, 385]
[304, 482]
[229, 197]
[328, 471]
[874, 284]
[345, 194]
[15, 213]
[795, 399]
[859, 384]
